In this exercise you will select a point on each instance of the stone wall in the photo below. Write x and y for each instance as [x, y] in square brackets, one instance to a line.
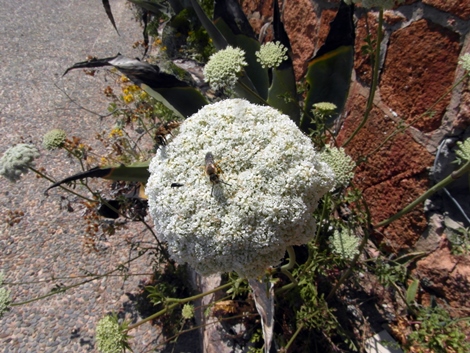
[421, 47]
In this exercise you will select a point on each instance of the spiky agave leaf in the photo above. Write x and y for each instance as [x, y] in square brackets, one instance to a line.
[329, 72]
[177, 95]
[282, 93]
[133, 172]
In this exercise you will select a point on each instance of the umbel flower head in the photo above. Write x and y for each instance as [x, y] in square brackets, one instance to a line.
[110, 335]
[324, 108]
[344, 244]
[223, 68]
[54, 139]
[270, 181]
[16, 161]
[342, 165]
[465, 61]
[271, 54]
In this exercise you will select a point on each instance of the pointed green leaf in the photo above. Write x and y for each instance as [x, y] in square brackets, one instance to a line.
[412, 291]
[138, 171]
[329, 72]
[155, 7]
[107, 8]
[282, 93]
[184, 101]
[217, 38]
[174, 93]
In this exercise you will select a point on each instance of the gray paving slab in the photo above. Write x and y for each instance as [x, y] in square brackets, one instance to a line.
[38, 41]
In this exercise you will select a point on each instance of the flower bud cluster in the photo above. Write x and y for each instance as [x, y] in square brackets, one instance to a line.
[223, 68]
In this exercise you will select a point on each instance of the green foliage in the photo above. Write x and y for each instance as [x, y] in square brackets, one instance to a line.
[182, 36]
[459, 240]
[368, 48]
[463, 151]
[256, 338]
[411, 292]
[305, 310]
[172, 282]
[389, 273]
[437, 332]
[239, 286]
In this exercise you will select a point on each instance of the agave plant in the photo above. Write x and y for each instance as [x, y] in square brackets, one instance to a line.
[328, 75]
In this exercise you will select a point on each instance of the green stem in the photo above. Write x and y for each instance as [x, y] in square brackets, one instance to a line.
[326, 202]
[62, 187]
[291, 263]
[285, 270]
[375, 78]
[61, 290]
[256, 98]
[354, 261]
[73, 154]
[294, 336]
[443, 183]
[351, 266]
[47, 280]
[177, 302]
[427, 112]
[289, 286]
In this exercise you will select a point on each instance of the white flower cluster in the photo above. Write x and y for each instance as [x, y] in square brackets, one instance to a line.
[17, 160]
[343, 165]
[465, 61]
[344, 244]
[271, 54]
[223, 68]
[272, 181]
[385, 4]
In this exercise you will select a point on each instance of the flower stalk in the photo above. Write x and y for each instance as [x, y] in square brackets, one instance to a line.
[442, 184]
[375, 78]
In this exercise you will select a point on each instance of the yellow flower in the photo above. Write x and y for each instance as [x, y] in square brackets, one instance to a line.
[103, 161]
[134, 88]
[143, 95]
[124, 79]
[128, 98]
[116, 132]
